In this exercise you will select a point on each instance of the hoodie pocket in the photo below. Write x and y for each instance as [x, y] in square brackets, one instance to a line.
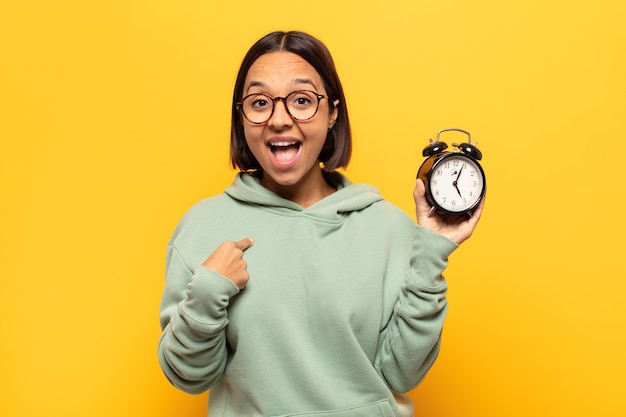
[377, 409]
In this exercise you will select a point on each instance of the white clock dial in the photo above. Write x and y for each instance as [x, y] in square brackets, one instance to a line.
[456, 183]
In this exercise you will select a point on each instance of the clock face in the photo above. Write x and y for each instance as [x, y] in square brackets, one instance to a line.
[456, 183]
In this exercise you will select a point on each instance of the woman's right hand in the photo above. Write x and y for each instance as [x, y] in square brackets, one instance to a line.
[227, 260]
[456, 229]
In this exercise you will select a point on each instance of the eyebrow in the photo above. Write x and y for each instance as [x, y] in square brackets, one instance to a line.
[254, 84]
[305, 81]
[295, 81]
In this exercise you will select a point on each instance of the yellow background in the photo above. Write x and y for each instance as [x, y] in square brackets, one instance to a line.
[114, 119]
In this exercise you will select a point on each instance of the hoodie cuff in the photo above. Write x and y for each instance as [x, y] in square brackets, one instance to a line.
[208, 296]
[430, 256]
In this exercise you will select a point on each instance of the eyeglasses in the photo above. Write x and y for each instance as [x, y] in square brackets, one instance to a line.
[301, 105]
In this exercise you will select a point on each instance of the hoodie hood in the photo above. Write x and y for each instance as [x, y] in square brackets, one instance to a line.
[348, 197]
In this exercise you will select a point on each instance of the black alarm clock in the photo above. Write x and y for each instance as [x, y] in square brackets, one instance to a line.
[455, 181]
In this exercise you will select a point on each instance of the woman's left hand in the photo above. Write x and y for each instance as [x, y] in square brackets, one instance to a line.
[457, 229]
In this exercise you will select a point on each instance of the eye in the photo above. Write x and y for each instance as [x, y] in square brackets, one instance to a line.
[258, 102]
[302, 99]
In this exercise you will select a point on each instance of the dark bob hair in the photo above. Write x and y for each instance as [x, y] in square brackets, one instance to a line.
[338, 146]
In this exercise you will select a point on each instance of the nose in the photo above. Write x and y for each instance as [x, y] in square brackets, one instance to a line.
[280, 117]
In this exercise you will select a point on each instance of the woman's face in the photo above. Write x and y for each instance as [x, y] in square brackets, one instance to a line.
[286, 149]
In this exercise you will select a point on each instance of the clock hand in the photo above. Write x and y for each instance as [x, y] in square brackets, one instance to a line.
[455, 183]
[457, 188]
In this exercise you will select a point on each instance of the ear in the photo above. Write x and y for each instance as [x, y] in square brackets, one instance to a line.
[332, 118]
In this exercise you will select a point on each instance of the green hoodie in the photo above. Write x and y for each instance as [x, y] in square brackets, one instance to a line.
[342, 314]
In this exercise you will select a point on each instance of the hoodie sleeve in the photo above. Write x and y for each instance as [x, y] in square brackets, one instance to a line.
[192, 348]
[409, 344]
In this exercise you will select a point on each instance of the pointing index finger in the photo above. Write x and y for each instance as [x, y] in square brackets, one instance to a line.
[244, 244]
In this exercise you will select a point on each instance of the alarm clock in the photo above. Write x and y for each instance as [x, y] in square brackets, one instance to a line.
[455, 181]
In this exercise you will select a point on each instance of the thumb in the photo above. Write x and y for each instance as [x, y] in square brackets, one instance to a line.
[244, 244]
[421, 205]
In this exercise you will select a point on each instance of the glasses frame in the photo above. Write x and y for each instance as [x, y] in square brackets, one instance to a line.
[319, 97]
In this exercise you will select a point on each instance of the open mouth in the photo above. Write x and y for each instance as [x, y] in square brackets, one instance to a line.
[284, 151]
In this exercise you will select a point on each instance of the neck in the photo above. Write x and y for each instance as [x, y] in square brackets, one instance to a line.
[308, 191]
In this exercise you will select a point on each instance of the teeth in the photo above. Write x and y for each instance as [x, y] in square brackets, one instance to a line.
[283, 143]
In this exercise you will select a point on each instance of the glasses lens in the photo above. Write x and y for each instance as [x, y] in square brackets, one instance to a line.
[257, 107]
[302, 105]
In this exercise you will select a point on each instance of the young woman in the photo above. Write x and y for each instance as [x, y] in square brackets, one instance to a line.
[296, 292]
